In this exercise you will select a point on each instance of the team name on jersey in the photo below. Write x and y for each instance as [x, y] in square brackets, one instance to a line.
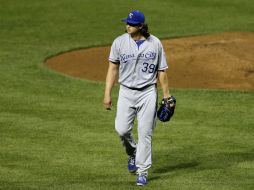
[124, 58]
[148, 55]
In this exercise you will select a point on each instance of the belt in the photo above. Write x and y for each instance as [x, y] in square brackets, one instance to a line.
[140, 89]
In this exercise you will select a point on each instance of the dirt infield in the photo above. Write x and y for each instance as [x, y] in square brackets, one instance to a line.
[224, 61]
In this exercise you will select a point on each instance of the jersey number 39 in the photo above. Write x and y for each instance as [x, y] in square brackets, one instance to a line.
[148, 68]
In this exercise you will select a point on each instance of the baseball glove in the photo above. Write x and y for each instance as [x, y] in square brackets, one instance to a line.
[166, 109]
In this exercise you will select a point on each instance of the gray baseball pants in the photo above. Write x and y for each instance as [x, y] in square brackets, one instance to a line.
[140, 104]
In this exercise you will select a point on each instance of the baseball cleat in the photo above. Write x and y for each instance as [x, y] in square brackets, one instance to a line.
[131, 165]
[142, 179]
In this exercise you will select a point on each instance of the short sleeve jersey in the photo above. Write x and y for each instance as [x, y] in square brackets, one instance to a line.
[138, 66]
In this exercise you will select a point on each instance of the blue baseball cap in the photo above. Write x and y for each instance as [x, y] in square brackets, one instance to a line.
[135, 17]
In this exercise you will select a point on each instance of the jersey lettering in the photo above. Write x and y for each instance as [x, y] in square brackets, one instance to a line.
[148, 68]
[124, 57]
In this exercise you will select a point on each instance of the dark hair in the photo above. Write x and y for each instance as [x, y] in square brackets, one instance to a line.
[144, 31]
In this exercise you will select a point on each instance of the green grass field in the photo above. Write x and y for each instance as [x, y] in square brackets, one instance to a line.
[54, 132]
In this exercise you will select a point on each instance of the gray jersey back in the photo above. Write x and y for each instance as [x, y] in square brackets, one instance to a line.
[138, 66]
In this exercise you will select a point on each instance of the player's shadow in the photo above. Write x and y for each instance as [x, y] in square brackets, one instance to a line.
[220, 160]
[166, 169]
[171, 168]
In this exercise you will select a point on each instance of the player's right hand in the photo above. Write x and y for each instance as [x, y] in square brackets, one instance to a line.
[107, 103]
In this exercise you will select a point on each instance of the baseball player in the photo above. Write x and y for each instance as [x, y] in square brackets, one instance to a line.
[138, 59]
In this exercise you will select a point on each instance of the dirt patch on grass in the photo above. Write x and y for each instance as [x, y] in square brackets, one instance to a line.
[224, 61]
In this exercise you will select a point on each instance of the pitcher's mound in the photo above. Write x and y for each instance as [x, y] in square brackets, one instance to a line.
[224, 61]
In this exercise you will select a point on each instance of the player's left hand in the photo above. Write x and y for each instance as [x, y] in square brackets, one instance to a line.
[166, 109]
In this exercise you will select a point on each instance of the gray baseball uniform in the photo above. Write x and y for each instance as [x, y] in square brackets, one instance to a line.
[138, 67]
